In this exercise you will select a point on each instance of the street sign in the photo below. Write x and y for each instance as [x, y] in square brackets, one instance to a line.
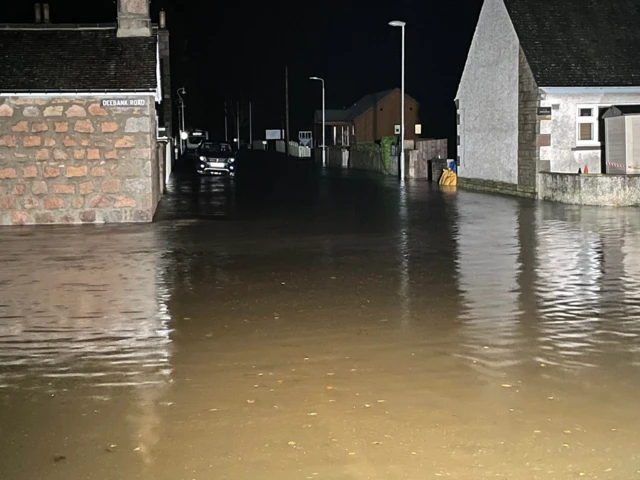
[273, 135]
[305, 139]
[124, 102]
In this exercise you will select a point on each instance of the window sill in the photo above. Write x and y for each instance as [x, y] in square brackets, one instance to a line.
[586, 148]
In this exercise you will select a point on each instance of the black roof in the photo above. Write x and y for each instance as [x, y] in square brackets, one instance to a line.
[333, 116]
[355, 110]
[579, 43]
[366, 102]
[75, 59]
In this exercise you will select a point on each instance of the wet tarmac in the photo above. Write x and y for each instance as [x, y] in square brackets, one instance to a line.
[323, 325]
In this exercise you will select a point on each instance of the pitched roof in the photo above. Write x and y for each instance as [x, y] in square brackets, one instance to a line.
[366, 102]
[76, 59]
[333, 116]
[355, 110]
[585, 43]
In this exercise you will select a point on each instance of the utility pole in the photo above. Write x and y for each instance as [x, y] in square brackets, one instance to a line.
[250, 126]
[226, 126]
[286, 106]
[238, 123]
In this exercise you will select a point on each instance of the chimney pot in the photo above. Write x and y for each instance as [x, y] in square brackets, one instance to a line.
[38, 13]
[45, 13]
[163, 19]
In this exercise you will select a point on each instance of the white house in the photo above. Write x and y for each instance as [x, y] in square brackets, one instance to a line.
[539, 76]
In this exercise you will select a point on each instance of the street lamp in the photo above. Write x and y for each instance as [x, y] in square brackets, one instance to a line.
[181, 91]
[401, 24]
[324, 127]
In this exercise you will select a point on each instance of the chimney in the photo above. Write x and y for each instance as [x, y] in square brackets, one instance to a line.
[133, 18]
[38, 12]
[163, 19]
[45, 13]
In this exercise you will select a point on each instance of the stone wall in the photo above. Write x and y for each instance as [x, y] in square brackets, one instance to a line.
[495, 187]
[69, 160]
[601, 190]
[528, 126]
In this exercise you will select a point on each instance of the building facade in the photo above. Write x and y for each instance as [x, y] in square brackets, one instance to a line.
[535, 88]
[79, 121]
[370, 119]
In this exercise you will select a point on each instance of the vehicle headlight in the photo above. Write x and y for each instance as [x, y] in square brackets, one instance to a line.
[231, 160]
[203, 159]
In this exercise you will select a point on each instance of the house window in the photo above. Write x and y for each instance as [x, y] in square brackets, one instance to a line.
[587, 128]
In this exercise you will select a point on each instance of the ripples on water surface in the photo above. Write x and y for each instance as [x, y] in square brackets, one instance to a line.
[343, 329]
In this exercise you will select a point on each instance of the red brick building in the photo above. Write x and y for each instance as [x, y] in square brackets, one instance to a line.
[370, 119]
[79, 120]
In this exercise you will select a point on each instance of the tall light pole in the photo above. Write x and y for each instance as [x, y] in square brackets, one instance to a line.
[401, 24]
[324, 127]
[181, 91]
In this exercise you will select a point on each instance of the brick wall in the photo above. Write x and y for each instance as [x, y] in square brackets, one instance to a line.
[68, 160]
[528, 126]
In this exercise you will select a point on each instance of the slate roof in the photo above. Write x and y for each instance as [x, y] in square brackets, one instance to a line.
[50, 59]
[579, 43]
[333, 116]
[366, 102]
[354, 111]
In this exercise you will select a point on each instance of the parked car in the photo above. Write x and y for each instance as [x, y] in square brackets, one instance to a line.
[216, 158]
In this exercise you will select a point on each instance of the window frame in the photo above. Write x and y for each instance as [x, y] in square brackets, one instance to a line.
[592, 120]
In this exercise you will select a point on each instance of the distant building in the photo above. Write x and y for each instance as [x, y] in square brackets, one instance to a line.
[538, 79]
[370, 119]
[81, 108]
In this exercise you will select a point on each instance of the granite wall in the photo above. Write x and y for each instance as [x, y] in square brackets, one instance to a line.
[71, 160]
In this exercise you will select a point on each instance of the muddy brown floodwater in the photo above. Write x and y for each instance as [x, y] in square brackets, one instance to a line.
[324, 326]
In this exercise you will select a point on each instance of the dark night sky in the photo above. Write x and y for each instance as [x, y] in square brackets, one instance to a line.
[239, 49]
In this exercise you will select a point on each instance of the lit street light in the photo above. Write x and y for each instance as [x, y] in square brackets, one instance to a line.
[324, 127]
[401, 24]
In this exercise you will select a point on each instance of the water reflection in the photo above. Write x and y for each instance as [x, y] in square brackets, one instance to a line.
[588, 285]
[547, 284]
[488, 268]
[404, 258]
[94, 311]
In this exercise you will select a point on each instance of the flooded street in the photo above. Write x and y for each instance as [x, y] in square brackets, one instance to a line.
[324, 325]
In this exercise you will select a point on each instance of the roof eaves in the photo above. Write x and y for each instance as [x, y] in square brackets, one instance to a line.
[47, 27]
[35, 92]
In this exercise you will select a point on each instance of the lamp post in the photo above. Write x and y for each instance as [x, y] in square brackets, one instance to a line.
[324, 127]
[401, 24]
[181, 91]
